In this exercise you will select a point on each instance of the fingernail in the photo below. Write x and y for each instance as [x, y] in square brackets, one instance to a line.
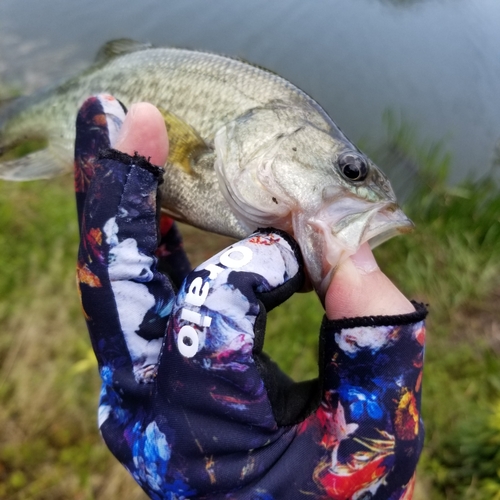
[125, 130]
[364, 260]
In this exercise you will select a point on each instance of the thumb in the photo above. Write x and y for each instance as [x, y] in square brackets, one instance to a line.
[360, 288]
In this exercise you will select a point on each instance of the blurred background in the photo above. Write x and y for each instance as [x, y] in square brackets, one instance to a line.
[415, 83]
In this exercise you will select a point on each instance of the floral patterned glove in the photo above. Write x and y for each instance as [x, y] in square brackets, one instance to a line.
[190, 404]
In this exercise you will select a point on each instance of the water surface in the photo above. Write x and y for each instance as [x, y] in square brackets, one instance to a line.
[436, 63]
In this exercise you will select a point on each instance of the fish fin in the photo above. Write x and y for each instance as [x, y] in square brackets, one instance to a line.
[119, 47]
[37, 165]
[185, 144]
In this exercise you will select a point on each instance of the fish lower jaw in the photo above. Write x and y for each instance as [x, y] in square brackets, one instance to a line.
[335, 242]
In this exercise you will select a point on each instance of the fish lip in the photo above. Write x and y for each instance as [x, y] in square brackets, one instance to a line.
[375, 225]
[390, 221]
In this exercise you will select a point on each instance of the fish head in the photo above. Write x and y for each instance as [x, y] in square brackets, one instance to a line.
[291, 169]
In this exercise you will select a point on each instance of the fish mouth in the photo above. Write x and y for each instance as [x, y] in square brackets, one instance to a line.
[336, 232]
[386, 224]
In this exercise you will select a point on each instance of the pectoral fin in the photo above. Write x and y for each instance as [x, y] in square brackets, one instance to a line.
[186, 145]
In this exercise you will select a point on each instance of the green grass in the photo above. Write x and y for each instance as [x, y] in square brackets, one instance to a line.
[49, 445]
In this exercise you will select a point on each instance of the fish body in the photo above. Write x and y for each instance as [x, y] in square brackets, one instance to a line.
[248, 149]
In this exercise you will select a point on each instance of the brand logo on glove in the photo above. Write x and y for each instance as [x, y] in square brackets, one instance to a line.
[188, 341]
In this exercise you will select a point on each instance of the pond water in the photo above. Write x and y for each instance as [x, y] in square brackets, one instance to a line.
[435, 63]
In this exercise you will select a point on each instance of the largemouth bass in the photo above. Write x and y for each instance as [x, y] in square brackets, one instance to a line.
[248, 149]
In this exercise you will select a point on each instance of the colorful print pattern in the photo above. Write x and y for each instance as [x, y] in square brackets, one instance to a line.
[189, 404]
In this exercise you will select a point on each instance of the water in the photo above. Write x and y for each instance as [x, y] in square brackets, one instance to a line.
[436, 63]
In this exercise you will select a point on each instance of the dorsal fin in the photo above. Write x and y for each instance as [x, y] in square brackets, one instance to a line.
[118, 47]
[185, 144]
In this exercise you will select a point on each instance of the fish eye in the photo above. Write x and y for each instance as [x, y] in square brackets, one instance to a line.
[353, 167]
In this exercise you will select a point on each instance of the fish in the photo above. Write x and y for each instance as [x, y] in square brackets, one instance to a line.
[248, 149]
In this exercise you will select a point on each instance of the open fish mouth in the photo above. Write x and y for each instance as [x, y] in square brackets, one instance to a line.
[336, 232]
[374, 226]
[386, 224]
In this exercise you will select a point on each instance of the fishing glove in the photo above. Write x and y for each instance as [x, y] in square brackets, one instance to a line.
[190, 404]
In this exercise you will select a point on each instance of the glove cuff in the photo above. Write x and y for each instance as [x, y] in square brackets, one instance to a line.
[138, 160]
[335, 325]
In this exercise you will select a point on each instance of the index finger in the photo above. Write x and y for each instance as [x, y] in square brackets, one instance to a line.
[126, 300]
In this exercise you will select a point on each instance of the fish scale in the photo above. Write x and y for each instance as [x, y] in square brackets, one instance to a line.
[168, 76]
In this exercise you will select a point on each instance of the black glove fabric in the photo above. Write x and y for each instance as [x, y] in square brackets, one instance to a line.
[190, 404]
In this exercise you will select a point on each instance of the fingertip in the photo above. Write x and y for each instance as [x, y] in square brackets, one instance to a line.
[144, 132]
[354, 292]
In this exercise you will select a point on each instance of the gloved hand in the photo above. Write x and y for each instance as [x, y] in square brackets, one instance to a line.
[190, 404]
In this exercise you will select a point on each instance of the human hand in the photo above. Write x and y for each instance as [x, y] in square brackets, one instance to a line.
[190, 404]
